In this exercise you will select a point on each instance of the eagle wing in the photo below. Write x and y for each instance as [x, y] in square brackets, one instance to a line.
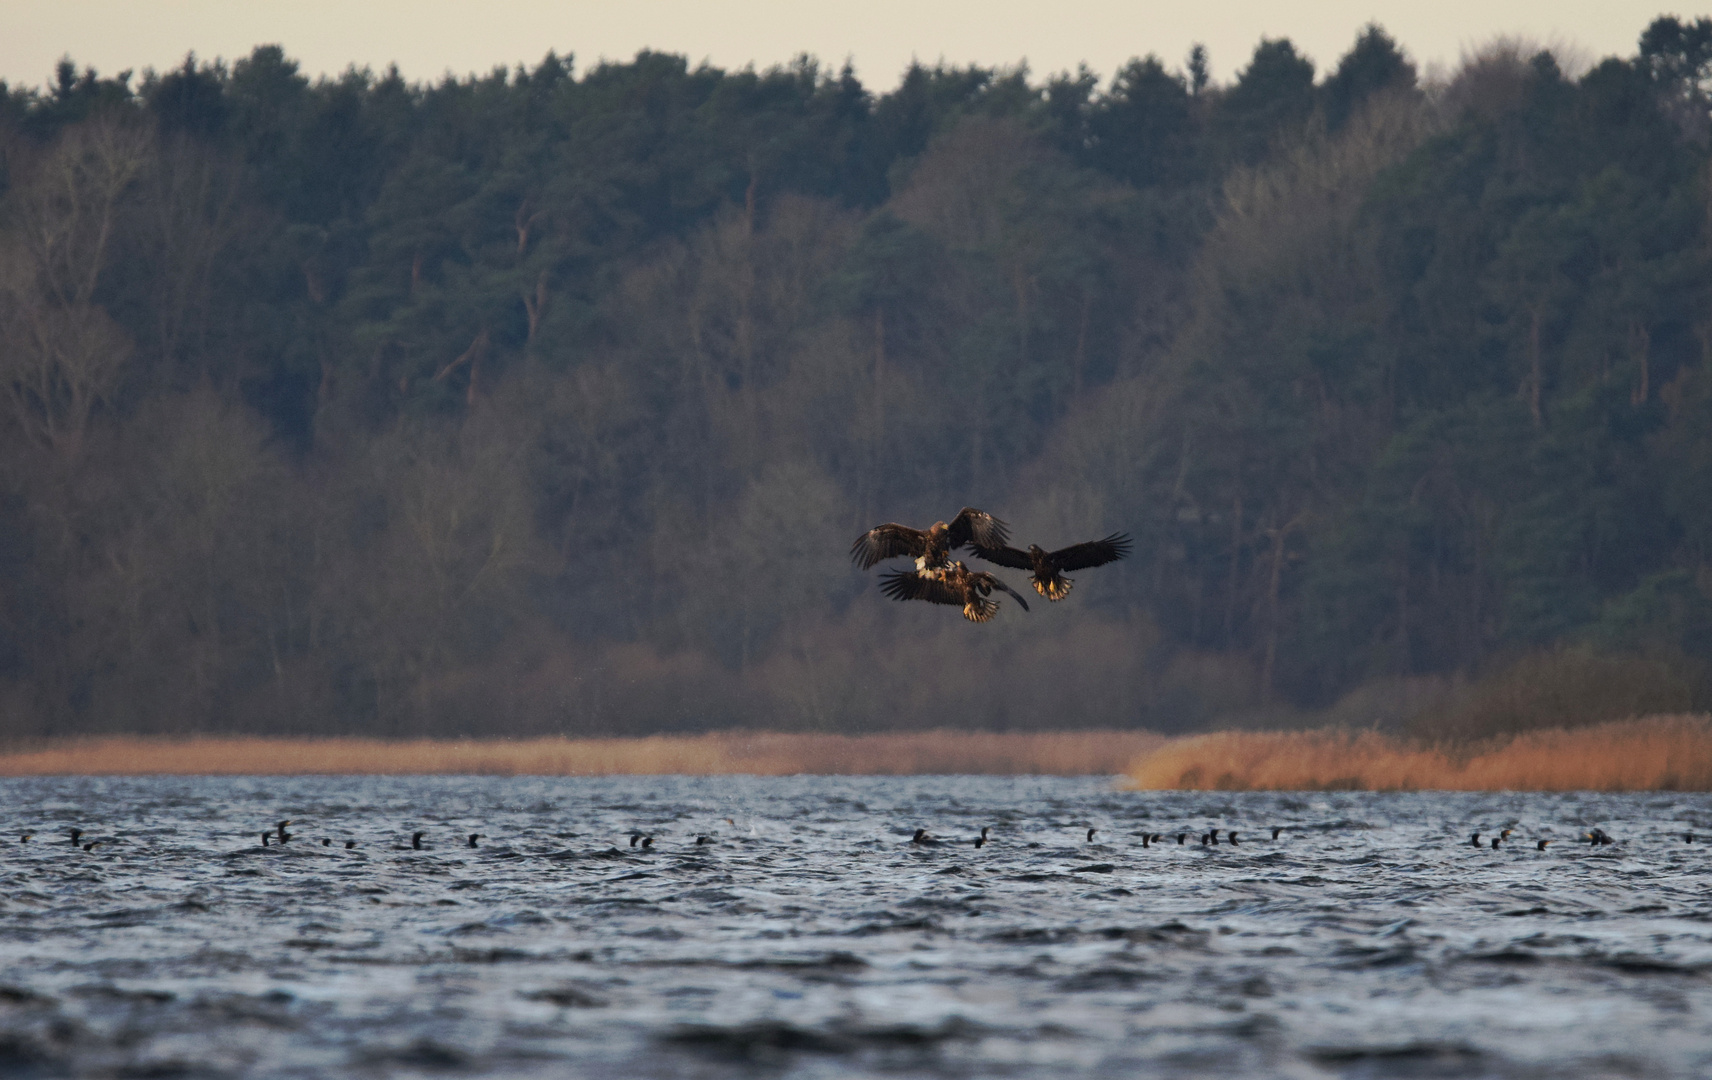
[910, 585]
[886, 542]
[1093, 553]
[972, 526]
[1005, 556]
[997, 584]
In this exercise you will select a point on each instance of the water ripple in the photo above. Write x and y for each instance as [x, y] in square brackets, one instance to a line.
[809, 938]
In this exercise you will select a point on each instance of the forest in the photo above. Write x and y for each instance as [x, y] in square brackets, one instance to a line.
[550, 401]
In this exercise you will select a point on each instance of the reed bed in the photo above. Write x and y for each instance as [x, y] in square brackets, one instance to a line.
[1655, 753]
[1068, 753]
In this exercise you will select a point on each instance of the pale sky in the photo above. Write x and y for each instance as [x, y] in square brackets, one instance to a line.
[427, 38]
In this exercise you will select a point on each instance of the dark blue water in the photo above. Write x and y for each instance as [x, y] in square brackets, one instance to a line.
[810, 939]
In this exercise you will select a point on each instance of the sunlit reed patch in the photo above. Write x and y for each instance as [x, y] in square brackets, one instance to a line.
[1649, 754]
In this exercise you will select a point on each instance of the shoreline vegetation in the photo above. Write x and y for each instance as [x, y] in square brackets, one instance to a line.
[1669, 752]
[757, 753]
[1653, 753]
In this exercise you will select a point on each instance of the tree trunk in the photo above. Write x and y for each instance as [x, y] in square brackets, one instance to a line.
[1235, 562]
[1535, 376]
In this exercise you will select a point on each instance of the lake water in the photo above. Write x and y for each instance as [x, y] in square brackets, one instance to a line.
[809, 938]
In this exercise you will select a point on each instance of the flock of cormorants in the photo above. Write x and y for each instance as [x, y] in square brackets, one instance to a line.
[642, 842]
[939, 580]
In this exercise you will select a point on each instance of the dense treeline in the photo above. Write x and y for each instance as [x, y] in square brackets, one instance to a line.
[546, 402]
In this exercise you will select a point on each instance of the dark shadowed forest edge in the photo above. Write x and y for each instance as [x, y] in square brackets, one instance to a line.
[547, 403]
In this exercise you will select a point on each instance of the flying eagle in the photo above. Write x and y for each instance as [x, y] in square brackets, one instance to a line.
[1048, 567]
[956, 585]
[931, 548]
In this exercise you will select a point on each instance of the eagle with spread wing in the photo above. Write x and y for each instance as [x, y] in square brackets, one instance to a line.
[931, 548]
[956, 585]
[1048, 567]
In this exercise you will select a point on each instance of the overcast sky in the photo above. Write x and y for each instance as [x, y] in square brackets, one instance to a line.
[427, 38]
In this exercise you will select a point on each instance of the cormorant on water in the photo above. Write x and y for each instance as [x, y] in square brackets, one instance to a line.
[1599, 836]
[700, 840]
[1505, 835]
[921, 837]
[1091, 833]
[1687, 838]
[1146, 840]
[1541, 846]
[1495, 840]
[931, 548]
[349, 844]
[647, 842]
[76, 835]
[416, 840]
[25, 838]
[981, 841]
[283, 835]
[473, 838]
[1047, 567]
[1474, 841]
[1233, 838]
[1276, 829]
[265, 835]
[91, 845]
[635, 838]
[1182, 836]
[326, 842]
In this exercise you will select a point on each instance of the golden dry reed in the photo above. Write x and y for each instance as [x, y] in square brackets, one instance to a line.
[1648, 754]
[1068, 753]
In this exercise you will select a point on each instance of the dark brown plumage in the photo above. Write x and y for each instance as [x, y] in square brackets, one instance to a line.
[930, 547]
[1047, 568]
[956, 585]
